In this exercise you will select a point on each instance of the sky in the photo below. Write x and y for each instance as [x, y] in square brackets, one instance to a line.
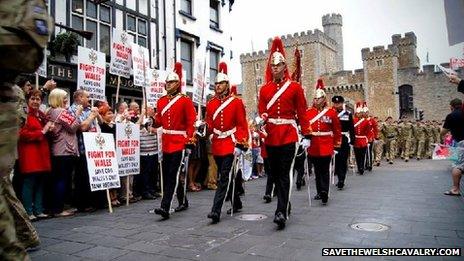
[366, 23]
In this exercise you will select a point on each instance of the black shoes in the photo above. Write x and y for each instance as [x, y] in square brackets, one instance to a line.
[267, 198]
[324, 197]
[181, 207]
[361, 172]
[162, 212]
[340, 185]
[317, 197]
[214, 217]
[279, 219]
[300, 183]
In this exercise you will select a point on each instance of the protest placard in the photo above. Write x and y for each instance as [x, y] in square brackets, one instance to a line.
[101, 161]
[156, 89]
[121, 53]
[128, 148]
[91, 72]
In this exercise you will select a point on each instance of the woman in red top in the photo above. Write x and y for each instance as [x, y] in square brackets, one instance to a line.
[34, 155]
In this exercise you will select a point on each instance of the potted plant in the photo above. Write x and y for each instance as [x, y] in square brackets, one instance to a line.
[65, 44]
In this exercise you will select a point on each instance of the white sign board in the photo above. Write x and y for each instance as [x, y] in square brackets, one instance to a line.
[101, 161]
[156, 89]
[128, 148]
[42, 70]
[140, 62]
[121, 53]
[91, 72]
[199, 83]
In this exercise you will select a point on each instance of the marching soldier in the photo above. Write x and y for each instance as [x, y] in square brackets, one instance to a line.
[226, 122]
[391, 133]
[420, 136]
[405, 139]
[436, 130]
[372, 135]
[280, 99]
[347, 131]
[325, 137]
[379, 144]
[361, 142]
[176, 114]
[430, 139]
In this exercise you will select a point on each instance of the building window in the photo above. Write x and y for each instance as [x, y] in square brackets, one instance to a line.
[186, 6]
[186, 56]
[214, 14]
[256, 66]
[379, 62]
[213, 66]
[86, 15]
[259, 81]
[138, 29]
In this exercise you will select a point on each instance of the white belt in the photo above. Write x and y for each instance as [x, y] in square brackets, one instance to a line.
[224, 134]
[346, 133]
[361, 137]
[322, 133]
[281, 121]
[175, 132]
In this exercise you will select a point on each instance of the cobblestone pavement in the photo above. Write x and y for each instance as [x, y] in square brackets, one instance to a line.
[406, 197]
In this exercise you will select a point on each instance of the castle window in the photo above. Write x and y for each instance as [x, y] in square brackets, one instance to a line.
[379, 62]
[259, 81]
[256, 66]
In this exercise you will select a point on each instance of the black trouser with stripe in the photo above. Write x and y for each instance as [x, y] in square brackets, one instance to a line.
[360, 155]
[369, 156]
[269, 181]
[281, 159]
[173, 180]
[341, 160]
[299, 164]
[224, 183]
[321, 169]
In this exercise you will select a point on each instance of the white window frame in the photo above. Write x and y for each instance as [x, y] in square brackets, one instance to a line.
[97, 20]
[136, 34]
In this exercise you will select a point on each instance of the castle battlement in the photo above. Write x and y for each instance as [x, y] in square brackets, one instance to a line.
[254, 56]
[379, 52]
[333, 18]
[347, 75]
[316, 36]
[345, 88]
[408, 39]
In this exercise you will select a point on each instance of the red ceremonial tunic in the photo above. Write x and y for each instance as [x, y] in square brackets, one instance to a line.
[326, 132]
[222, 127]
[373, 129]
[292, 102]
[180, 117]
[33, 148]
[361, 132]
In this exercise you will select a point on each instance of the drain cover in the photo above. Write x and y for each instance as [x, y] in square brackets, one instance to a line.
[369, 226]
[251, 217]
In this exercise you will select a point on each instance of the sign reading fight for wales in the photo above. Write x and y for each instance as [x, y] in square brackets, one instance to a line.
[101, 161]
[140, 63]
[128, 148]
[91, 72]
[156, 89]
[121, 53]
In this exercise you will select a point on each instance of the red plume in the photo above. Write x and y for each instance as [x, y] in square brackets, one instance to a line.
[222, 67]
[278, 46]
[178, 70]
[296, 75]
[320, 84]
[233, 89]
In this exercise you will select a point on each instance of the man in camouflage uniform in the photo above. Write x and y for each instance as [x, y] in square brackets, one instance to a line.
[405, 136]
[379, 144]
[430, 139]
[24, 30]
[420, 136]
[436, 131]
[390, 133]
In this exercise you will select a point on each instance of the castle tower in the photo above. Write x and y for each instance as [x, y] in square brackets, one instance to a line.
[407, 50]
[332, 24]
[381, 80]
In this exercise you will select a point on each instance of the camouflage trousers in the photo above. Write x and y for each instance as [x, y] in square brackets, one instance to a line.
[404, 147]
[420, 149]
[428, 148]
[378, 150]
[390, 149]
